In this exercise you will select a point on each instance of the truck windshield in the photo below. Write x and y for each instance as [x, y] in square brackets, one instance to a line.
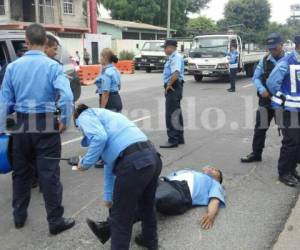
[153, 46]
[210, 46]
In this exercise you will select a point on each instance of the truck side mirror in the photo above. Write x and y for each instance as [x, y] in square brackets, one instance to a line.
[137, 46]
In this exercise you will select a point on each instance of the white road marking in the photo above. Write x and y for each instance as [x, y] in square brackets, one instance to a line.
[248, 85]
[80, 138]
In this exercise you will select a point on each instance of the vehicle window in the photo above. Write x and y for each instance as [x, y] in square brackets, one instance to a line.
[210, 46]
[20, 47]
[63, 55]
[153, 46]
[4, 58]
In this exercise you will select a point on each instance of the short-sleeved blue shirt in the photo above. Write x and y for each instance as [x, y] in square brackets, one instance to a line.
[109, 80]
[174, 63]
[202, 187]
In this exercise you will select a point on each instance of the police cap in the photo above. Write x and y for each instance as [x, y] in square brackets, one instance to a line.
[170, 42]
[297, 39]
[273, 40]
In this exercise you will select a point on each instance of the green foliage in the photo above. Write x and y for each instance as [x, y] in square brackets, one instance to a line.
[201, 24]
[155, 11]
[126, 55]
[252, 16]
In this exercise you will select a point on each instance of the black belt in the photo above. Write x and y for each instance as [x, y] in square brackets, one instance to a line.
[112, 93]
[138, 146]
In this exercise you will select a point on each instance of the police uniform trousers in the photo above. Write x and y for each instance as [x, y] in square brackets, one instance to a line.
[290, 149]
[174, 118]
[137, 171]
[36, 136]
[232, 77]
[114, 102]
[264, 115]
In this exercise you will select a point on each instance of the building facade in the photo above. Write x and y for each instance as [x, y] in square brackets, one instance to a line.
[56, 15]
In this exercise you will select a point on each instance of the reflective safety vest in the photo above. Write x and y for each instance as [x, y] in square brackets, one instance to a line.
[289, 94]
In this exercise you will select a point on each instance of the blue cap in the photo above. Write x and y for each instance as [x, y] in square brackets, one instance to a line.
[273, 40]
[297, 39]
[170, 42]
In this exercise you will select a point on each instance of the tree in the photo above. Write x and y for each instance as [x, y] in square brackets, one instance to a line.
[155, 11]
[252, 16]
[201, 24]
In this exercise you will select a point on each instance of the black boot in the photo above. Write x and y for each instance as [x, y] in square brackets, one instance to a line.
[139, 240]
[289, 180]
[100, 229]
[64, 225]
[169, 145]
[296, 175]
[253, 157]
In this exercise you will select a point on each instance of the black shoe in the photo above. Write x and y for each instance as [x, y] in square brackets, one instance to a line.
[100, 229]
[99, 164]
[296, 175]
[61, 227]
[231, 90]
[251, 158]
[181, 142]
[169, 145]
[20, 223]
[139, 240]
[288, 180]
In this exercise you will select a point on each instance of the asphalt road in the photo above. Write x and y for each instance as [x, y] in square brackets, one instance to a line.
[219, 131]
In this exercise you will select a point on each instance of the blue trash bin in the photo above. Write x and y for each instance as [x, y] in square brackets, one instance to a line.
[5, 164]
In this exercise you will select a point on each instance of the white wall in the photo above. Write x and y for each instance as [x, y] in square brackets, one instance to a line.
[73, 45]
[104, 41]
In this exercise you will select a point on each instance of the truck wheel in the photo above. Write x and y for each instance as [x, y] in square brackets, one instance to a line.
[198, 78]
[148, 70]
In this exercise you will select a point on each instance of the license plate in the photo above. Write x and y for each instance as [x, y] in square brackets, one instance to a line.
[151, 64]
[205, 73]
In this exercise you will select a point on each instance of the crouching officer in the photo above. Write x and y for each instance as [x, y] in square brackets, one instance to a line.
[131, 171]
[109, 82]
[284, 84]
[265, 113]
[31, 84]
[173, 77]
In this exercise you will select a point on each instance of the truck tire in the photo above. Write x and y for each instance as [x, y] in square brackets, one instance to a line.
[148, 70]
[198, 78]
[250, 68]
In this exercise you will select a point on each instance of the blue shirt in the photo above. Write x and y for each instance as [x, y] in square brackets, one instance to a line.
[109, 80]
[277, 76]
[233, 59]
[31, 84]
[202, 187]
[259, 71]
[106, 134]
[174, 63]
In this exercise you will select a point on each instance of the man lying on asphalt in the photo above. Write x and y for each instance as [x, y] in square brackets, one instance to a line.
[204, 189]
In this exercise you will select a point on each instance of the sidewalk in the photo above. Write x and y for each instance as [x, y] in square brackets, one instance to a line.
[289, 239]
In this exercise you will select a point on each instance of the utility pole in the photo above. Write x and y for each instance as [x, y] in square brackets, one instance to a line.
[169, 19]
[37, 15]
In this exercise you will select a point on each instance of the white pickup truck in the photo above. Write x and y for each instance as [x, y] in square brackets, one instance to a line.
[208, 56]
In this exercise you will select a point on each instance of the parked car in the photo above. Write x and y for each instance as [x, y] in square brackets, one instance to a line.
[12, 46]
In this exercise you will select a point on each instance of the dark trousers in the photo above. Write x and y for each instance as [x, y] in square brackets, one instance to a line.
[28, 146]
[135, 186]
[174, 119]
[232, 78]
[290, 149]
[114, 102]
[264, 115]
[87, 60]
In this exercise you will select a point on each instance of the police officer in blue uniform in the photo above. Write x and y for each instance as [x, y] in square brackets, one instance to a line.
[233, 65]
[173, 77]
[284, 84]
[265, 113]
[109, 82]
[31, 84]
[131, 171]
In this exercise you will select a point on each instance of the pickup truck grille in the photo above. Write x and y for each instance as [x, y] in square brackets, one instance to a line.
[153, 59]
[206, 66]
